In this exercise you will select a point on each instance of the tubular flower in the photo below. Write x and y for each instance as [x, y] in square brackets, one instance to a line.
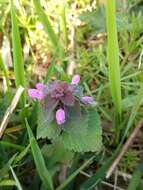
[38, 92]
[75, 79]
[59, 91]
[60, 116]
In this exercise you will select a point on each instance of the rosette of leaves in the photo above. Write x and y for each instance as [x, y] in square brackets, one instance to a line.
[81, 131]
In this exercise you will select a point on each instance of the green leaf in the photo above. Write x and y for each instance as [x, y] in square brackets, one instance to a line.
[46, 129]
[77, 121]
[80, 133]
[39, 160]
[91, 140]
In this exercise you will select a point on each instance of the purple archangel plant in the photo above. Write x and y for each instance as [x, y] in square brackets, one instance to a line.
[63, 104]
[59, 95]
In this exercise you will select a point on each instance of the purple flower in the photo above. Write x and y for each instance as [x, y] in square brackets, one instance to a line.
[60, 116]
[38, 92]
[87, 100]
[59, 92]
[75, 79]
[58, 95]
[40, 86]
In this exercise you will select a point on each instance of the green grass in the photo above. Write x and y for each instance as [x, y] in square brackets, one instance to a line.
[113, 55]
[39, 160]
[105, 70]
[58, 49]
[19, 187]
[17, 52]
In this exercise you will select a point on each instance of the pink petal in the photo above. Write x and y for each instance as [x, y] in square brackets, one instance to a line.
[40, 86]
[87, 100]
[34, 93]
[75, 79]
[60, 116]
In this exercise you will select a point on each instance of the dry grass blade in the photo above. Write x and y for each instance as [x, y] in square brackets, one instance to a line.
[10, 110]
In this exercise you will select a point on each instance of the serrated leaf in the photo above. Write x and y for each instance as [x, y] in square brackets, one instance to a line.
[45, 128]
[85, 142]
[76, 120]
[81, 133]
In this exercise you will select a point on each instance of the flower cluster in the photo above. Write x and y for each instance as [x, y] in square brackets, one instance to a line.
[58, 95]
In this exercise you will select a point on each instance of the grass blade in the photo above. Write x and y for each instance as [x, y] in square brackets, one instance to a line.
[11, 145]
[39, 160]
[17, 51]
[136, 178]
[97, 177]
[7, 182]
[134, 111]
[5, 71]
[4, 170]
[64, 24]
[22, 154]
[16, 179]
[48, 28]
[113, 55]
[50, 70]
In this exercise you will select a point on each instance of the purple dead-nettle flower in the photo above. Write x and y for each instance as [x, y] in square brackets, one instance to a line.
[40, 86]
[87, 100]
[60, 116]
[59, 91]
[61, 99]
[75, 79]
[38, 92]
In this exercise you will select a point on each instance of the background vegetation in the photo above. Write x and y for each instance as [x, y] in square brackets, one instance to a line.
[48, 39]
